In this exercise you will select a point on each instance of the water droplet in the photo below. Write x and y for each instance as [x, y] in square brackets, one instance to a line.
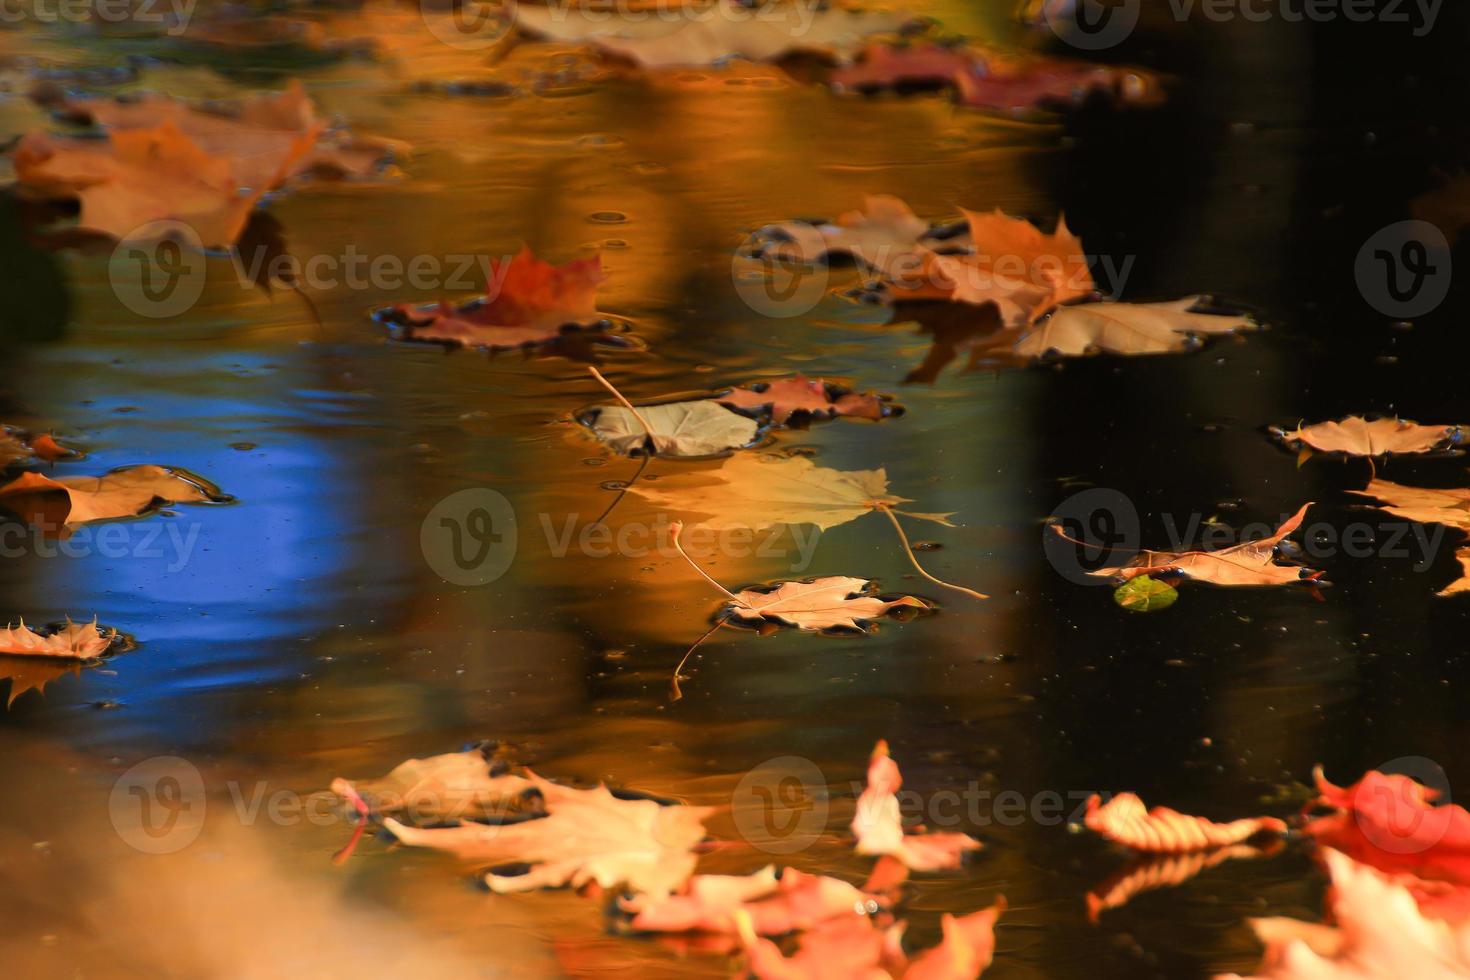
[614, 243]
[594, 461]
[243, 447]
[614, 484]
[608, 217]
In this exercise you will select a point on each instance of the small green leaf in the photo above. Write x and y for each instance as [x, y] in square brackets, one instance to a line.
[1145, 594]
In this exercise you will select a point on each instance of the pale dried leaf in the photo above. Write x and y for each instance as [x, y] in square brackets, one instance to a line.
[1124, 328]
[696, 428]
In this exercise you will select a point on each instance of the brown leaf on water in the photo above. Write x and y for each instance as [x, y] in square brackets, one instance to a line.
[1357, 436]
[532, 303]
[1014, 266]
[126, 492]
[803, 396]
[886, 236]
[834, 602]
[256, 134]
[1013, 84]
[878, 823]
[1125, 328]
[1448, 507]
[1250, 563]
[139, 176]
[77, 641]
[586, 837]
[17, 445]
[1124, 820]
[31, 659]
[723, 30]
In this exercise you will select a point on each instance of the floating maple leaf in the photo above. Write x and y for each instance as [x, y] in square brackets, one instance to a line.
[587, 836]
[804, 397]
[259, 135]
[125, 492]
[1016, 267]
[1357, 436]
[76, 641]
[1018, 85]
[534, 303]
[1448, 507]
[32, 658]
[833, 602]
[1125, 328]
[878, 824]
[714, 33]
[1124, 820]
[774, 904]
[1250, 563]
[17, 445]
[1380, 933]
[137, 177]
[885, 236]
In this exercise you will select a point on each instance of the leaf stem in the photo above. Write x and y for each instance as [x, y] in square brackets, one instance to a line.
[652, 439]
[678, 529]
[908, 550]
[688, 653]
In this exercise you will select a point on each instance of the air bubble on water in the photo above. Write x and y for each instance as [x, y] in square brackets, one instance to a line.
[614, 484]
[608, 217]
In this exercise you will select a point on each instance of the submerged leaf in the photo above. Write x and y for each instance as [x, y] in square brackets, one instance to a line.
[1144, 593]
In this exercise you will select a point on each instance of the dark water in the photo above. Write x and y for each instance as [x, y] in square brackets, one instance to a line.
[306, 637]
